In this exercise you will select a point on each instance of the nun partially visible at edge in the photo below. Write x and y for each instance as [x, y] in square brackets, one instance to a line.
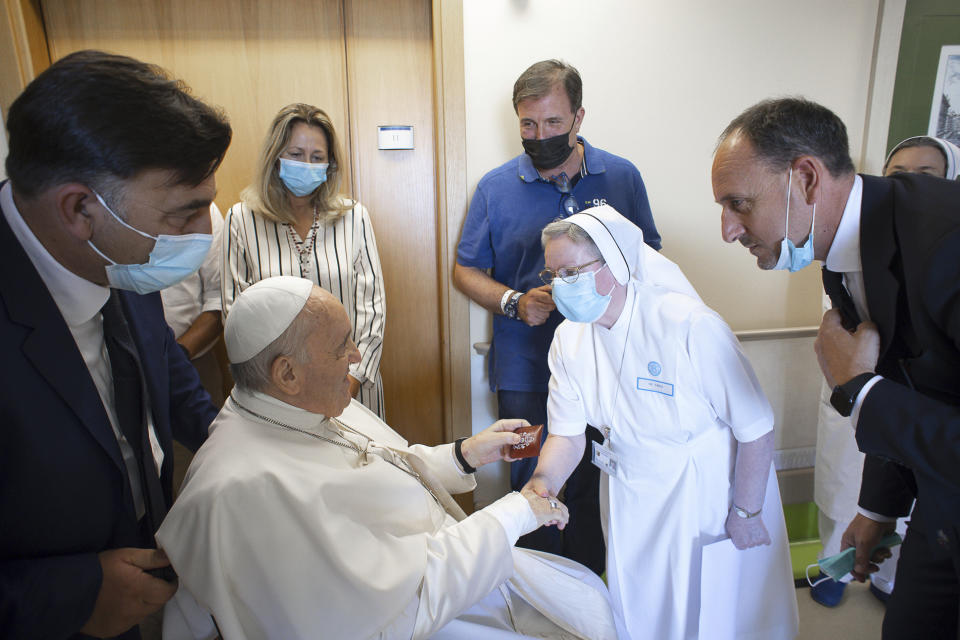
[687, 456]
[922, 154]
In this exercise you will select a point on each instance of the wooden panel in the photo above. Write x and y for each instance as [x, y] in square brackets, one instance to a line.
[23, 48]
[451, 167]
[390, 78]
[250, 57]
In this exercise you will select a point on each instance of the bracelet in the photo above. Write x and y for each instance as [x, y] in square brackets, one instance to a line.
[503, 300]
[458, 451]
[743, 513]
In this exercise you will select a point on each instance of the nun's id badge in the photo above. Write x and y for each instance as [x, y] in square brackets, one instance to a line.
[605, 459]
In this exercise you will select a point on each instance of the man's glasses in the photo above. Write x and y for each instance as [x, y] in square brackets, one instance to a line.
[567, 274]
[568, 203]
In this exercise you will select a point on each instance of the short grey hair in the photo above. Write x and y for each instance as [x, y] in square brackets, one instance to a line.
[781, 130]
[575, 233]
[254, 374]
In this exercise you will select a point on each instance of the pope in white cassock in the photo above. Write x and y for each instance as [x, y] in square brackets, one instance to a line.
[688, 444]
[305, 516]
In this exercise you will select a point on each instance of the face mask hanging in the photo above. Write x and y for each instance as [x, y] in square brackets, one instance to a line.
[794, 258]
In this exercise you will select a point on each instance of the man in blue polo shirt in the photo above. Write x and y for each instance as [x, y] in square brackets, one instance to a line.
[558, 175]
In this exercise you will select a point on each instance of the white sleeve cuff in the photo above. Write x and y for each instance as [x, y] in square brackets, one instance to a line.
[875, 516]
[855, 414]
[513, 512]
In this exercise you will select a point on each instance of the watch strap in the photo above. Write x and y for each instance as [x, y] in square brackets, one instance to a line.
[844, 395]
[458, 452]
[743, 513]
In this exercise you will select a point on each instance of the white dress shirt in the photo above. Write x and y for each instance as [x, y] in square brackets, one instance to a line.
[80, 302]
[844, 257]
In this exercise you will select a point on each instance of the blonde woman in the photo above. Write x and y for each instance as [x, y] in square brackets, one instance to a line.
[293, 221]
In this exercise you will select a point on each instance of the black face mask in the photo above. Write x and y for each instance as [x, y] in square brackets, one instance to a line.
[549, 153]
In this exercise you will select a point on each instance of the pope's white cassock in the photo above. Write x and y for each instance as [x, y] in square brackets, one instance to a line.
[280, 534]
[670, 386]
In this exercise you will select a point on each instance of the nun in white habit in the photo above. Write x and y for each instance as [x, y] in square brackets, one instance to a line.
[305, 516]
[688, 444]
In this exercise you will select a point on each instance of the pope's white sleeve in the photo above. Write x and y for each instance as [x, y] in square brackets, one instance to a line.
[466, 561]
[565, 412]
[727, 379]
[443, 464]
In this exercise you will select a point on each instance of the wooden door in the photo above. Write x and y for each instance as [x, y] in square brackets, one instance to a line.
[366, 63]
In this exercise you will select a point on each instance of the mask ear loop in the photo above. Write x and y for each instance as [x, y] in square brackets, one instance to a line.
[121, 220]
[820, 581]
[786, 230]
[613, 286]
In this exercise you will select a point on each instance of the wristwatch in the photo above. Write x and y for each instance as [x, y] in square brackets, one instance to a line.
[510, 308]
[743, 513]
[458, 452]
[844, 395]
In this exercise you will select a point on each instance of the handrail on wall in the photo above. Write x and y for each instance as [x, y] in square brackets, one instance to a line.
[483, 348]
[776, 334]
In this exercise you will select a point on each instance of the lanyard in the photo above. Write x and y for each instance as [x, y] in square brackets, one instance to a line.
[606, 430]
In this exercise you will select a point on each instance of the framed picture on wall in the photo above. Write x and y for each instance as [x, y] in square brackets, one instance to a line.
[945, 107]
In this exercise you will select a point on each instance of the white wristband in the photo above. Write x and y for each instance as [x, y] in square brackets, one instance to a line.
[503, 300]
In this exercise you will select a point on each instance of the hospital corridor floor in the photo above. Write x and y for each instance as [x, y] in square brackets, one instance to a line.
[858, 617]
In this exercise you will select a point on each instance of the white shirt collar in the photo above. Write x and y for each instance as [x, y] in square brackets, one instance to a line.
[79, 300]
[844, 254]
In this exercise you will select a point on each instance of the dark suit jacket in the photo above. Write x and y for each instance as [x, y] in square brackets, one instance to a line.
[64, 493]
[909, 424]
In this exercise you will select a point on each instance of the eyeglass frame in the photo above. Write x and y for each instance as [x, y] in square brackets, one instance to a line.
[564, 278]
[568, 202]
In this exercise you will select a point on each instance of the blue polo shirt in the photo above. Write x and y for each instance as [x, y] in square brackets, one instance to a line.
[510, 207]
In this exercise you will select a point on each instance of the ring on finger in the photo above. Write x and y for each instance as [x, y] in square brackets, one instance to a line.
[554, 504]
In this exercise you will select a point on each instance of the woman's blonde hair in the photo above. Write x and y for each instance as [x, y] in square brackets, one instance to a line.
[267, 195]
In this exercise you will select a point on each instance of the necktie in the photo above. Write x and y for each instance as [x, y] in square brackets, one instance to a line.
[130, 398]
[840, 299]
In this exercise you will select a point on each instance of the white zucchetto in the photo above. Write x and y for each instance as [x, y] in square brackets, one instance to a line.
[262, 313]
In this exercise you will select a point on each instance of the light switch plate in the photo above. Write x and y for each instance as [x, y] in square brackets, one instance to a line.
[395, 137]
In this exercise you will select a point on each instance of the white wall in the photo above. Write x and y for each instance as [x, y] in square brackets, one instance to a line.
[661, 81]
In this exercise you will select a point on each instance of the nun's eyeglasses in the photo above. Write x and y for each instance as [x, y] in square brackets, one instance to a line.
[567, 274]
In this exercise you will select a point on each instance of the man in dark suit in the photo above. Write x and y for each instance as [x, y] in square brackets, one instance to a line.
[890, 348]
[111, 175]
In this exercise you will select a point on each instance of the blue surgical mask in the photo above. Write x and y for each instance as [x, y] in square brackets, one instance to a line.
[792, 257]
[303, 178]
[172, 259]
[839, 567]
[579, 301]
